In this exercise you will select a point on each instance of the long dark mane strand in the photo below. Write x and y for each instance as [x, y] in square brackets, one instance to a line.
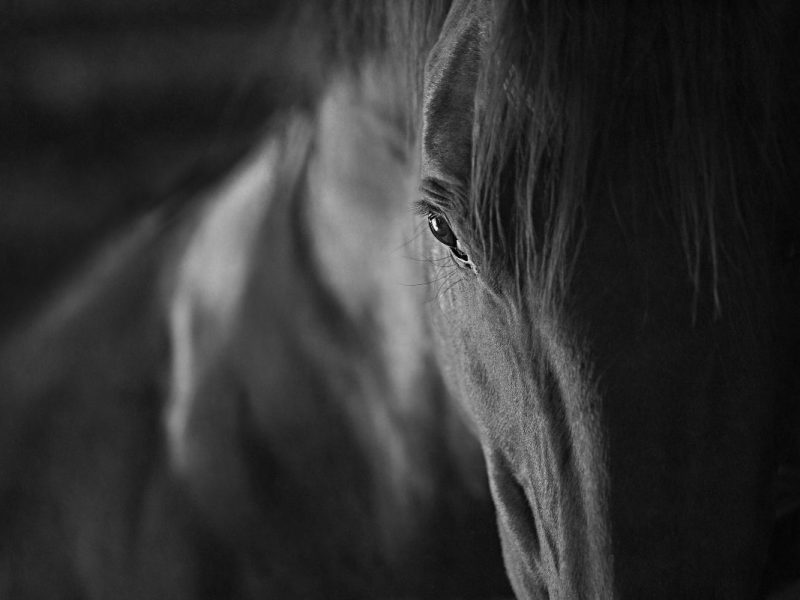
[672, 99]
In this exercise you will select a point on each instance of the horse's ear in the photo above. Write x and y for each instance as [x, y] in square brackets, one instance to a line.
[205, 398]
[451, 78]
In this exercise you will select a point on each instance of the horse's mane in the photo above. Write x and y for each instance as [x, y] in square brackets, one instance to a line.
[666, 104]
[672, 100]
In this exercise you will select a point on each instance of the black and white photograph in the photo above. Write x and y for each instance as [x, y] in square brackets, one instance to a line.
[399, 300]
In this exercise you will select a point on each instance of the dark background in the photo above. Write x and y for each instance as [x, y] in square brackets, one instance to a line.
[109, 107]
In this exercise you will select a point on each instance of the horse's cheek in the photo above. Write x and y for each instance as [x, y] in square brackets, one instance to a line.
[463, 346]
[449, 324]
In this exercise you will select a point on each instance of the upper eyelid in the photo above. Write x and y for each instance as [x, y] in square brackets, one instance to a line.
[437, 196]
[437, 191]
[424, 207]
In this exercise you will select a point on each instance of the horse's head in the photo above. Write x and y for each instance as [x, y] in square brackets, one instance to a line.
[598, 187]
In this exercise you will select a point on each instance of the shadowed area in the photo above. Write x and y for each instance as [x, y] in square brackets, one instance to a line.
[107, 109]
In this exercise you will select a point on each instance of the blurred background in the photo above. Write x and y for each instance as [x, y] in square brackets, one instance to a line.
[109, 107]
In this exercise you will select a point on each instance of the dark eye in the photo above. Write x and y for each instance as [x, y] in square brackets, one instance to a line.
[440, 229]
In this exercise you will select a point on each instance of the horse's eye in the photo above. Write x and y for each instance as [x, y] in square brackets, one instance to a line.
[440, 229]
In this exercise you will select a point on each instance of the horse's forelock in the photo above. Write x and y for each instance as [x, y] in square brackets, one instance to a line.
[663, 99]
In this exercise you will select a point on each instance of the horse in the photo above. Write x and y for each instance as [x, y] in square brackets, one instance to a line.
[612, 198]
[611, 192]
[609, 300]
[235, 399]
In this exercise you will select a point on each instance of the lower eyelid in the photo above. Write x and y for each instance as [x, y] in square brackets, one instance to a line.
[458, 248]
[462, 263]
[459, 254]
